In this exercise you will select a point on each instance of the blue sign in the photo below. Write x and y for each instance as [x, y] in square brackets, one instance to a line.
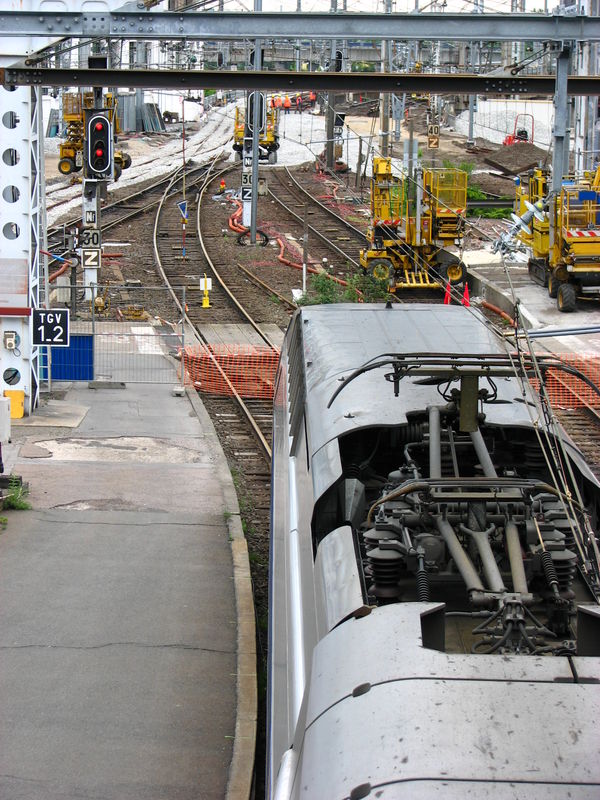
[183, 208]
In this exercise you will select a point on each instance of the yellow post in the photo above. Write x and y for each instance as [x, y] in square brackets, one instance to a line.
[205, 301]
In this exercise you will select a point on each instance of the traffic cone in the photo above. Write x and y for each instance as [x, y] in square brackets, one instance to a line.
[447, 298]
[465, 299]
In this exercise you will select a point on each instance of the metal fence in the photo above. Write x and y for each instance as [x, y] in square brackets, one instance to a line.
[121, 333]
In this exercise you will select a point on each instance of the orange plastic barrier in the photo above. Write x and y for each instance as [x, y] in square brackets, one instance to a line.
[250, 369]
[568, 391]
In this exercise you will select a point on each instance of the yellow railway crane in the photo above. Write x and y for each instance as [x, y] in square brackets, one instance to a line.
[268, 141]
[71, 151]
[414, 223]
[565, 241]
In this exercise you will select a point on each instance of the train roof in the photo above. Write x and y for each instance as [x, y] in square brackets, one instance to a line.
[338, 339]
[387, 717]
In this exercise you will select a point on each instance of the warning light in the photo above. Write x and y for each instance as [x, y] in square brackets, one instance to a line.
[99, 147]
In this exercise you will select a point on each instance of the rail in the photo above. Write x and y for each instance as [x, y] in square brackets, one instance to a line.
[314, 230]
[208, 177]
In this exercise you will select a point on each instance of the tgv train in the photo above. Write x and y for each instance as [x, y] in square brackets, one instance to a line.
[434, 625]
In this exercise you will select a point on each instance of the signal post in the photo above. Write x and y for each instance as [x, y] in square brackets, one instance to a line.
[98, 168]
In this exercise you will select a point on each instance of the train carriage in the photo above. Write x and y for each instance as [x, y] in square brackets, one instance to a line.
[434, 623]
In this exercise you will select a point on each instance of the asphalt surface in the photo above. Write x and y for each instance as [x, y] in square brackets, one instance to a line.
[509, 282]
[119, 627]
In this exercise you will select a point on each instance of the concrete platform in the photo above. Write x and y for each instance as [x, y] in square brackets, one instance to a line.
[489, 279]
[127, 651]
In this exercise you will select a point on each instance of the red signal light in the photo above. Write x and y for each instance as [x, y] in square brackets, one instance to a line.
[99, 134]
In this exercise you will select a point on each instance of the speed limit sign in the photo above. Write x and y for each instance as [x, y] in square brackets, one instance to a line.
[50, 326]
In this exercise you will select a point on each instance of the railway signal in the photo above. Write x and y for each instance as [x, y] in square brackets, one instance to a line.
[99, 140]
[262, 111]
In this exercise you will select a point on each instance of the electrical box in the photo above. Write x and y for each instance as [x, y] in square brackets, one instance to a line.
[17, 402]
[10, 340]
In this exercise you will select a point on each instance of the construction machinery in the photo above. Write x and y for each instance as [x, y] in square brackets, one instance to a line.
[522, 130]
[415, 222]
[565, 240]
[268, 142]
[71, 151]
[419, 97]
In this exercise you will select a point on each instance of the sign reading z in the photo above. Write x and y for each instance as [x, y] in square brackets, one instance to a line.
[90, 258]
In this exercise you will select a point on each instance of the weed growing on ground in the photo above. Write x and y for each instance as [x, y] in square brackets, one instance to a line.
[15, 498]
[359, 288]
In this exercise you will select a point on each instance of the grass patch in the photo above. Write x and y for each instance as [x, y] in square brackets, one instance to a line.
[360, 287]
[15, 497]
[465, 166]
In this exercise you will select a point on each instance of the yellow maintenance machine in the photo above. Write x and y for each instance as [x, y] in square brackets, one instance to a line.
[268, 141]
[564, 241]
[71, 151]
[419, 97]
[414, 222]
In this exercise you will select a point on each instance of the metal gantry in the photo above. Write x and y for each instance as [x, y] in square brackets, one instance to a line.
[136, 24]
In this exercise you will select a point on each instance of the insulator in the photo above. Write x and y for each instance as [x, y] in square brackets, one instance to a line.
[565, 527]
[413, 432]
[372, 537]
[384, 567]
[549, 571]
[533, 459]
[447, 464]
[565, 567]
[540, 501]
[422, 586]
[353, 471]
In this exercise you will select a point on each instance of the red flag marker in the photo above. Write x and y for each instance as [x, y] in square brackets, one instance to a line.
[447, 298]
[465, 300]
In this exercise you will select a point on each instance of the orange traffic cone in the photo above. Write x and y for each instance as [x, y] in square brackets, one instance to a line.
[465, 300]
[447, 298]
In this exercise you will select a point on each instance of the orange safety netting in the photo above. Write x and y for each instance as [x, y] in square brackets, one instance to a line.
[569, 391]
[249, 368]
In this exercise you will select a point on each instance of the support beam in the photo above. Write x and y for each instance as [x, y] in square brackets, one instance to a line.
[299, 81]
[272, 25]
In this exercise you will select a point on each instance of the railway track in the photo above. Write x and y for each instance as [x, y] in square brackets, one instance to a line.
[330, 236]
[229, 283]
[126, 208]
[582, 426]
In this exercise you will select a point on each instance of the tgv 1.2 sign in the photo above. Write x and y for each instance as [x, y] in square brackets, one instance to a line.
[50, 326]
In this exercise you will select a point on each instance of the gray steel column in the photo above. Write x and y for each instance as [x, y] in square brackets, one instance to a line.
[330, 113]
[298, 59]
[255, 134]
[140, 60]
[585, 107]
[384, 98]
[560, 159]
[471, 137]
[255, 149]
[330, 118]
